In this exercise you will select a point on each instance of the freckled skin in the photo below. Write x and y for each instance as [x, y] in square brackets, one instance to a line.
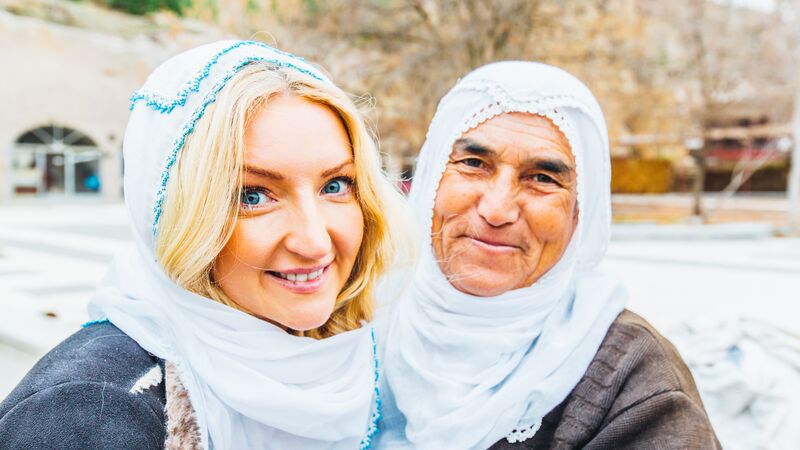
[301, 226]
[501, 222]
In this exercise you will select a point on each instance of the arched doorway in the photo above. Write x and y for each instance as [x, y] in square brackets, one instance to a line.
[54, 160]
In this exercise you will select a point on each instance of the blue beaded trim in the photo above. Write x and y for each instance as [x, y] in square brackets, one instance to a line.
[165, 105]
[189, 126]
[366, 443]
[94, 322]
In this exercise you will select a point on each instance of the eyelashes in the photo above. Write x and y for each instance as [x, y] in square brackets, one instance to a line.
[543, 178]
[338, 186]
[257, 197]
[475, 165]
[254, 197]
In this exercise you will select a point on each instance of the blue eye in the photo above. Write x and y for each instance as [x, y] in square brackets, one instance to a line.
[337, 186]
[253, 197]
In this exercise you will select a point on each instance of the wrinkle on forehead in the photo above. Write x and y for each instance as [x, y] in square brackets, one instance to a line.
[529, 142]
[522, 127]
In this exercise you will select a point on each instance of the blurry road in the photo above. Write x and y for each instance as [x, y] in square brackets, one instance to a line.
[674, 281]
[52, 256]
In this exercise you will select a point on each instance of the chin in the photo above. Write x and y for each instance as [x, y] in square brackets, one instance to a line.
[308, 320]
[483, 283]
[480, 289]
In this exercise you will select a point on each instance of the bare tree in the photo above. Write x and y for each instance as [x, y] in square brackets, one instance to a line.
[659, 69]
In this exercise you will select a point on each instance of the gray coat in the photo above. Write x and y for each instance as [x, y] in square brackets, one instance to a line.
[98, 390]
[636, 394]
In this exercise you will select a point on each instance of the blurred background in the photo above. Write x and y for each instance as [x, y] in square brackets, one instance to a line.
[702, 99]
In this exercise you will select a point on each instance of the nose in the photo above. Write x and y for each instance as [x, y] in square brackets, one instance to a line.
[308, 236]
[498, 205]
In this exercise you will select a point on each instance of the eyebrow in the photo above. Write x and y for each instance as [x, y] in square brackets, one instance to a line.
[339, 168]
[470, 146]
[278, 177]
[555, 166]
[263, 173]
[552, 165]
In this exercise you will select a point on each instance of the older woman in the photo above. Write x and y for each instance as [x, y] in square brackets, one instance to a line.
[510, 337]
[261, 222]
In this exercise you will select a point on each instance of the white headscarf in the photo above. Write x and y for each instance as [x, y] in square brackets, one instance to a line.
[252, 384]
[466, 371]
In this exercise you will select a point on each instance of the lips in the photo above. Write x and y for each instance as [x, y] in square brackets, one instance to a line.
[300, 277]
[301, 280]
[493, 243]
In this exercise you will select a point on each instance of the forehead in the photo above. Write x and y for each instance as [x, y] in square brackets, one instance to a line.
[522, 134]
[297, 133]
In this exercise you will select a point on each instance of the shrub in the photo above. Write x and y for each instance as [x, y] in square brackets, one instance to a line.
[140, 7]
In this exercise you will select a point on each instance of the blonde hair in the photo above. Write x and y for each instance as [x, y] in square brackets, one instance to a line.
[193, 229]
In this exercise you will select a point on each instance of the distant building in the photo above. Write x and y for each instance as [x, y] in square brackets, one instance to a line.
[67, 78]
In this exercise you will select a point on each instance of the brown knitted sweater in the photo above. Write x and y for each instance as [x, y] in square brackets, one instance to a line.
[636, 394]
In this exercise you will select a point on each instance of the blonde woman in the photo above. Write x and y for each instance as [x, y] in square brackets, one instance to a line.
[261, 221]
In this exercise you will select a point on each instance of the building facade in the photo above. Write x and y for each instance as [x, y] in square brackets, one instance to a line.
[65, 90]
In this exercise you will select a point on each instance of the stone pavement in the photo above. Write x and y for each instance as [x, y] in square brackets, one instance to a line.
[52, 255]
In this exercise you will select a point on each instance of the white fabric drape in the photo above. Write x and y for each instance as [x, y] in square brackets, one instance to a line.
[466, 371]
[251, 384]
[748, 373]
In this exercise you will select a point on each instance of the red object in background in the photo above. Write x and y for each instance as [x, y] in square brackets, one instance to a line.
[745, 153]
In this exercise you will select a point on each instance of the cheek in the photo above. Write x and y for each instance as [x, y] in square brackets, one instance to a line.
[345, 223]
[551, 218]
[250, 246]
[259, 236]
[453, 198]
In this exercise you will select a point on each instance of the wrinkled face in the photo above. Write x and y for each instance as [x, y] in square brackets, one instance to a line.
[294, 246]
[506, 206]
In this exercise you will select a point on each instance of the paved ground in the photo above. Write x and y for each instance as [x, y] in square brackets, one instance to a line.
[52, 255]
[675, 281]
[51, 258]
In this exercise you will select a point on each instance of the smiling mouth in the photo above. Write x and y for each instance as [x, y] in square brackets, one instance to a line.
[299, 277]
[301, 281]
[490, 245]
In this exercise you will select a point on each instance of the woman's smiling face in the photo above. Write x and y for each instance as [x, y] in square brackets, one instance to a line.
[297, 239]
[506, 206]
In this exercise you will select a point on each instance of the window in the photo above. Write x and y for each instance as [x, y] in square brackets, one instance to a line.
[55, 160]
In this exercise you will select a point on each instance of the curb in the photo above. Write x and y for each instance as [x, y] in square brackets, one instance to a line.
[723, 231]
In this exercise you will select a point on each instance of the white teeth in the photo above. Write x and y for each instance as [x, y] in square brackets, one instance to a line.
[301, 277]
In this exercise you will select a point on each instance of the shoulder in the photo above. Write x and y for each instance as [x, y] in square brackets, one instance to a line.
[96, 389]
[647, 362]
[637, 392]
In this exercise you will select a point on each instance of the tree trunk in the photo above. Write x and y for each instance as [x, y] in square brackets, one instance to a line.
[698, 209]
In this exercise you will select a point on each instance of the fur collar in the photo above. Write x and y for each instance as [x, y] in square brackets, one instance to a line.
[183, 432]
